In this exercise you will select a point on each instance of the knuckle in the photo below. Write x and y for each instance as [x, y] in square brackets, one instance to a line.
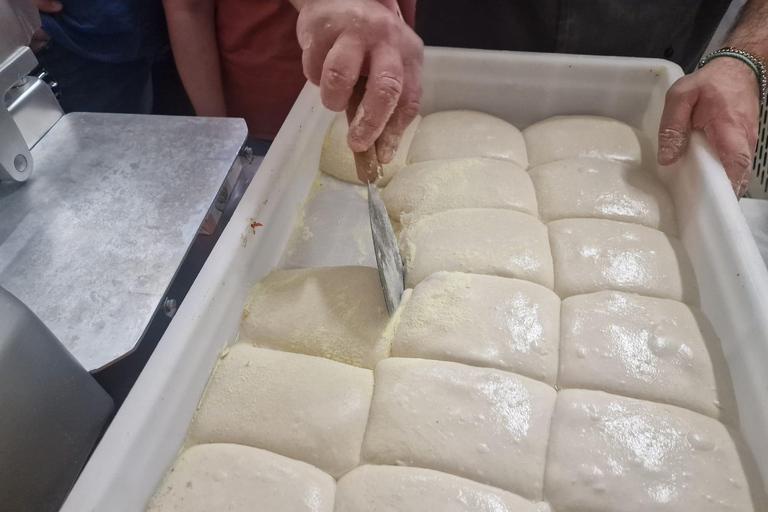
[389, 87]
[410, 109]
[679, 91]
[338, 79]
[740, 160]
[389, 25]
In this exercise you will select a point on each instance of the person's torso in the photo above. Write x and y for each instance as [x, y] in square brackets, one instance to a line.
[677, 30]
[260, 61]
[109, 30]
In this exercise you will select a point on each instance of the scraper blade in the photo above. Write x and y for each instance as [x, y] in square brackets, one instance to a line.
[387, 252]
[384, 241]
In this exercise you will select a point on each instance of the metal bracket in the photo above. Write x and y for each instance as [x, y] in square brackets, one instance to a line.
[15, 157]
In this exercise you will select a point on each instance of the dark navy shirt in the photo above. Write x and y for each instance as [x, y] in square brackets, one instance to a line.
[676, 30]
[109, 30]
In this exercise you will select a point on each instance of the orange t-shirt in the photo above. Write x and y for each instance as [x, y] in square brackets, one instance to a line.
[261, 60]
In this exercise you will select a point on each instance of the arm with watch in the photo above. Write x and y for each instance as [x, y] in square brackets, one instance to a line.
[723, 98]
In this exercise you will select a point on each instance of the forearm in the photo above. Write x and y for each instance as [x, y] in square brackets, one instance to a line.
[192, 30]
[750, 31]
[392, 5]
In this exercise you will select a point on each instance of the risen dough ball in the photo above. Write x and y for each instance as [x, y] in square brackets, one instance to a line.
[481, 320]
[613, 453]
[478, 423]
[494, 242]
[592, 255]
[561, 137]
[398, 489]
[333, 312]
[339, 161]
[642, 347]
[603, 189]
[438, 185]
[464, 133]
[307, 408]
[236, 478]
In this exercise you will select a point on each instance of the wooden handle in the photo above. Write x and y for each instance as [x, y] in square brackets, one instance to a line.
[366, 163]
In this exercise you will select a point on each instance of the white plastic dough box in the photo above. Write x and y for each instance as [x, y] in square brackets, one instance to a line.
[147, 433]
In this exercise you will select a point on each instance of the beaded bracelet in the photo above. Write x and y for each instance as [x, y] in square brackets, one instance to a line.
[754, 62]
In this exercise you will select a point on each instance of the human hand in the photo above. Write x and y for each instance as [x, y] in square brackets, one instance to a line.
[49, 6]
[722, 99]
[345, 39]
[40, 38]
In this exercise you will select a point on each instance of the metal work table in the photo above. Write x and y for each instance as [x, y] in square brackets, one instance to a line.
[92, 241]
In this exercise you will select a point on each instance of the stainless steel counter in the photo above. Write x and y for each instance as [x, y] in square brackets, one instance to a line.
[93, 239]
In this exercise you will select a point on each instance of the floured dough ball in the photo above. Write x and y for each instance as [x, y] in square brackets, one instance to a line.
[561, 137]
[398, 489]
[333, 312]
[495, 242]
[613, 453]
[307, 408]
[338, 160]
[643, 347]
[464, 133]
[490, 321]
[478, 423]
[602, 189]
[592, 255]
[438, 185]
[236, 478]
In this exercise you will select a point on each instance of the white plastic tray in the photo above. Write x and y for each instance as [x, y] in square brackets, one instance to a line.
[148, 431]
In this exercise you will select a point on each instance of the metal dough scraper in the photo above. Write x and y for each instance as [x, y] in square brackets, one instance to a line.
[384, 241]
[387, 252]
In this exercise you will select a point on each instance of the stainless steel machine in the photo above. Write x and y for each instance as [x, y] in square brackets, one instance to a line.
[98, 212]
[19, 22]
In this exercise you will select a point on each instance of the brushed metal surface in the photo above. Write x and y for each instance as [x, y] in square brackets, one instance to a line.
[93, 239]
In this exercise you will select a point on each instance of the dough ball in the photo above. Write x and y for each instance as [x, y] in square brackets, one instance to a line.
[613, 453]
[333, 312]
[307, 408]
[464, 133]
[399, 489]
[482, 320]
[494, 242]
[236, 478]
[561, 137]
[643, 347]
[478, 423]
[592, 255]
[339, 161]
[602, 189]
[438, 185]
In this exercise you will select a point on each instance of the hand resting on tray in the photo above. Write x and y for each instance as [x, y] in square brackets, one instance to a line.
[722, 99]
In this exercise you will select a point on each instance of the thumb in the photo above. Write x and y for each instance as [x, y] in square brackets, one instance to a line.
[731, 144]
[675, 126]
[49, 6]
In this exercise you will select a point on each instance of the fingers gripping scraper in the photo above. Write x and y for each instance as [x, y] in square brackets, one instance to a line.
[384, 242]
